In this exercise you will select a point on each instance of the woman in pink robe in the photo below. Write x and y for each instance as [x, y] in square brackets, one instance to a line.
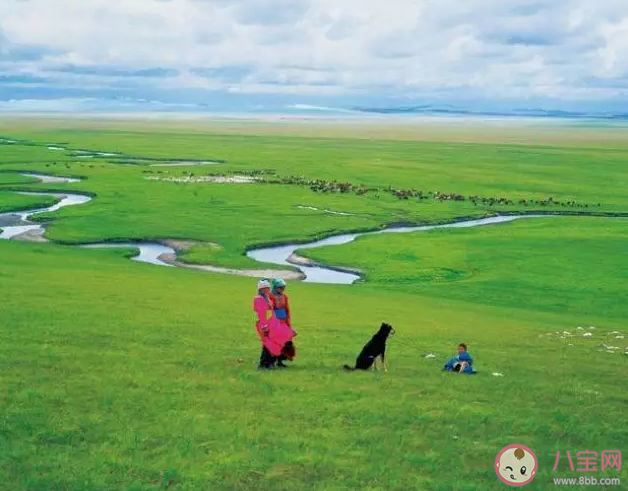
[272, 333]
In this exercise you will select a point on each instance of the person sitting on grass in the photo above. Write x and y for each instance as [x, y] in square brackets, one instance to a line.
[461, 363]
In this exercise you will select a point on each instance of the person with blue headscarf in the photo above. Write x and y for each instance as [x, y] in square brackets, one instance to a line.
[281, 309]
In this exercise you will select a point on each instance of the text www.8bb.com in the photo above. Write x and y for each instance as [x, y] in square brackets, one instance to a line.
[587, 481]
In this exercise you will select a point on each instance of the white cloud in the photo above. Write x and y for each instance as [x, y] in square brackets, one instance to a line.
[487, 48]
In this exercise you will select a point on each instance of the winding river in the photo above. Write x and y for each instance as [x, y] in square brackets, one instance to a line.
[114, 156]
[315, 273]
[16, 225]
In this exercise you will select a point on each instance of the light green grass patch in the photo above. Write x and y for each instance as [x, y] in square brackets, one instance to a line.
[151, 381]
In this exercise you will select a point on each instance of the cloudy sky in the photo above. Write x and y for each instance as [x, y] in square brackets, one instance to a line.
[245, 54]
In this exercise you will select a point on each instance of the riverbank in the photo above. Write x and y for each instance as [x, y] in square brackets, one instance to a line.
[166, 252]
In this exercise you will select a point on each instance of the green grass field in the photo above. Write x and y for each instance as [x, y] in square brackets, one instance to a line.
[13, 201]
[566, 264]
[126, 376]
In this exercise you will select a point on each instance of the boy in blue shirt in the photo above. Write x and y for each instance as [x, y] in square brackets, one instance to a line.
[462, 362]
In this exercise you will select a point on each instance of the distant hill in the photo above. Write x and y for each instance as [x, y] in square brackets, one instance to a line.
[429, 109]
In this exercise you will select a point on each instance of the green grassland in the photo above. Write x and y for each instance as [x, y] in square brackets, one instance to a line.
[571, 264]
[12, 178]
[466, 168]
[121, 375]
[12, 201]
[131, 207]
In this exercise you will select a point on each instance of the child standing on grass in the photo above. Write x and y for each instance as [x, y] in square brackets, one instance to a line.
[461, 363]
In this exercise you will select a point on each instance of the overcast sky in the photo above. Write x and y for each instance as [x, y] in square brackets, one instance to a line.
[315, 51]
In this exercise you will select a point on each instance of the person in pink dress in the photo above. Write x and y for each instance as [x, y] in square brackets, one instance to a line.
[273, 334]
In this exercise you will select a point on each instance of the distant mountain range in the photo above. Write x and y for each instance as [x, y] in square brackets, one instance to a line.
[278, 108]
[430, 109]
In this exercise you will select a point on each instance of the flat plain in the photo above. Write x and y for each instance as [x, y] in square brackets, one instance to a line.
[121, 375]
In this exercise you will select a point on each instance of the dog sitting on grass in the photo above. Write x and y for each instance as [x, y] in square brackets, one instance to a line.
[373, 350]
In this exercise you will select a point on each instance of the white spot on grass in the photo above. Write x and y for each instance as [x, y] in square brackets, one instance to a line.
[331, 212]
[587, 335]
[181, 163]
[498, 374]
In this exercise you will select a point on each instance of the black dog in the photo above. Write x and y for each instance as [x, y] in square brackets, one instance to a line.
[375, 348]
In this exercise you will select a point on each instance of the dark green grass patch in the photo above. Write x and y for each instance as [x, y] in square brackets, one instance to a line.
[559, 264]
[13, 202]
